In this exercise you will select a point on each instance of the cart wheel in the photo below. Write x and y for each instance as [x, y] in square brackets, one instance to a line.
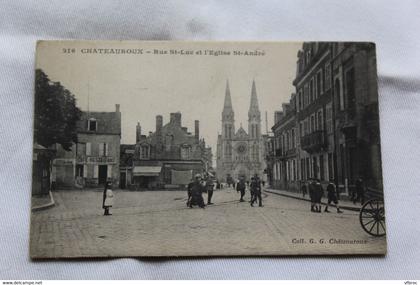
[372, 217]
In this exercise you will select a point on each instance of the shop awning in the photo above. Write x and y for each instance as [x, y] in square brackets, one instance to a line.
[146, 170]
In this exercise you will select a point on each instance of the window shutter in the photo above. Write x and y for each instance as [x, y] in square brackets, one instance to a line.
[101, 149]
[95, 171]
[84, 171]
[109, 174]
[106, 149]
[88, 148]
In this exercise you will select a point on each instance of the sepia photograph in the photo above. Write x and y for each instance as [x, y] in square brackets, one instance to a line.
[171, 148]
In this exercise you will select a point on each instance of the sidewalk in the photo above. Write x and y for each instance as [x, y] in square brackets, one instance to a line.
[345, 205]
[42, 202]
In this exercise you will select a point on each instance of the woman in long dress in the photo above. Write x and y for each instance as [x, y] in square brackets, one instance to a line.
[108, 199]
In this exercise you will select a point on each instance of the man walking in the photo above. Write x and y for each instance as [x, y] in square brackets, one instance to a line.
[209, 189]
[332, 197]
[360, 191]
[240, 187]
[256, 189]
[319, 193]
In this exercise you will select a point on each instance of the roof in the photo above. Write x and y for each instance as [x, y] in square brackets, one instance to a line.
[107, 122]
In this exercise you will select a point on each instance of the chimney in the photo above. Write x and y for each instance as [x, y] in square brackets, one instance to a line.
[176, 119]
[117, 108]
[138, 132]
[159, 124]
[197, 130]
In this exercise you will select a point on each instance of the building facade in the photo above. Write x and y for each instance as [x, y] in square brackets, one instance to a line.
[168, 157]
[240, 153]
[95, 158]
[335, 117]
[285, 160]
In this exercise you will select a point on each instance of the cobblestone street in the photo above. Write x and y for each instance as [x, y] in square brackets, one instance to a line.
[157, 223]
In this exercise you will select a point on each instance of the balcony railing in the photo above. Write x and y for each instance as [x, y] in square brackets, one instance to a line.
[313, 142]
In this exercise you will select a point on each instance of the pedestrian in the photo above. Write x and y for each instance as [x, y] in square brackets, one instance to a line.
[240, 187]
[360, 191]
[312, 191]
[108, 198]
[332, 197]
[189, 192]
[304, 188]
[256, 189]
[318, 194]
[209, 189]
[197, 190]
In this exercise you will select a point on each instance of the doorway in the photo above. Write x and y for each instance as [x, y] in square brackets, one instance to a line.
[122, 180]
[103, 174]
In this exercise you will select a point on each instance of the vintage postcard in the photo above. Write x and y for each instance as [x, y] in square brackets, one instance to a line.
[159, 148]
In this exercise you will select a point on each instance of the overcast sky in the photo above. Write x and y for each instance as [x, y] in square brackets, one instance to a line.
[146, 85]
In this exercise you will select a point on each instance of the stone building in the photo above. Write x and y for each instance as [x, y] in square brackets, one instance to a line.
[356, 114]
[336, 117]
[285, 160]
[314, 112]
[95, 158]
[240, 153]
[168, 157]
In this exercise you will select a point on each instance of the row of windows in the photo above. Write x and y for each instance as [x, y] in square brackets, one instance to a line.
[315, 87]
[103, 149]
[185, 152]
[319, 166]
[91, 170]
[287, 140]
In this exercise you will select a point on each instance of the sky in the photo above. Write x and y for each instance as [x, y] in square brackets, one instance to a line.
[149, 84]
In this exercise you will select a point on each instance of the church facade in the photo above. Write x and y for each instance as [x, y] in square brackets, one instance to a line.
[240, 153]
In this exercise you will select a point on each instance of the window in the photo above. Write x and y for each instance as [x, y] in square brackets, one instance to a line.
[319, 83]
[300, 100]
[293, 139]
[185, 152]
[320, 121]
[305, 124]
[301, 129]
[350, 91]
[88, 148]
[327, 77]
[92, 125]
[312, 129]
[103, 149]
[312, 90]
[305, 95]
[338, 94]
[144, 152]
[328, 118]
[330, 166]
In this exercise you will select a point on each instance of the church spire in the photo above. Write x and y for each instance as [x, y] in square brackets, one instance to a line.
[228, 113]
[253, 107]
[228, 100]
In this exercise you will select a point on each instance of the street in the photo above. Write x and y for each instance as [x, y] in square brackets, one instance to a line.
[158, 223]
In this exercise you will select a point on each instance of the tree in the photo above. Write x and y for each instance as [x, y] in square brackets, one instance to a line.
[56, 113]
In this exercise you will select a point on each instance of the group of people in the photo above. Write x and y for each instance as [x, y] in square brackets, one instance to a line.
[316, 192]
[196, 189]
[206, 184]
[254, 188]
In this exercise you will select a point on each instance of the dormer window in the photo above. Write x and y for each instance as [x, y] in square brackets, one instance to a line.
[92, 125]
[144, 151]
[185, 152]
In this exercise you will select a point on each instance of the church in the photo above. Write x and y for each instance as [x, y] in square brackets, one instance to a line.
[240, 153]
